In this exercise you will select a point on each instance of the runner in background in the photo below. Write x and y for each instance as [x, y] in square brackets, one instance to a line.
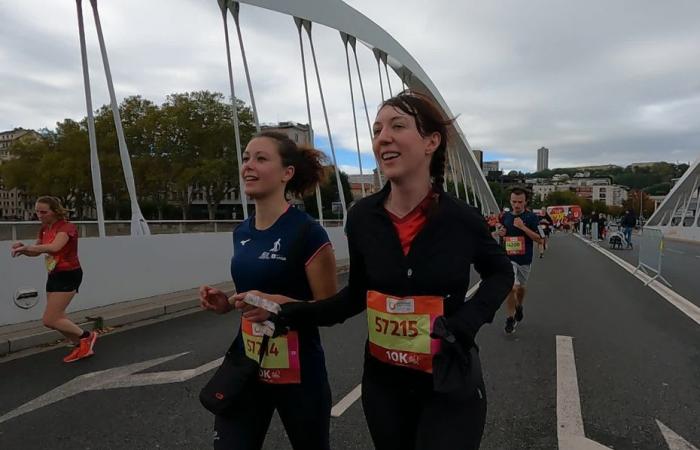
[58, 240]
[544, 229]
[520, 230]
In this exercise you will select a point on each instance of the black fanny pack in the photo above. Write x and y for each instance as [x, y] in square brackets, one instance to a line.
[229, 384]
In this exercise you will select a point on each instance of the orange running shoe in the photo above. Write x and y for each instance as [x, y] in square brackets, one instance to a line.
[73, 355]
[84, 350]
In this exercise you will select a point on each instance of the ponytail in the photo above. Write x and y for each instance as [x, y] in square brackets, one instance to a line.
[307, 163]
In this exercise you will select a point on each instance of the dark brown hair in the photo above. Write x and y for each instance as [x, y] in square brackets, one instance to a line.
[54, 205]
[520, 191]
[429, 119]
[307, 162]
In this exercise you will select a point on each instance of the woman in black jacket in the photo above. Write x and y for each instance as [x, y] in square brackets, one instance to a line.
[411, 246]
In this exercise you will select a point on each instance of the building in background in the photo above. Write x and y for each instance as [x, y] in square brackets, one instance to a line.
[14, 204]
[542, 159]
[593, 189]
[479, 155]
[489, 166]
[298, 132]
[356, 182]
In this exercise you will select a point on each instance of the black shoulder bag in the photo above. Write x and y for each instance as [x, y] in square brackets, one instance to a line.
[238, 373]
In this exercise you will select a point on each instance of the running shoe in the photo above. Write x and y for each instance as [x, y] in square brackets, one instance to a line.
[519, 313]
[73, 355]
[84, 350]
[510, 325]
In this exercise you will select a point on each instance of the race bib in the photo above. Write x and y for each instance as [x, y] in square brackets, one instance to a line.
[515, 245]
[280, 363]
[399, 329]
[50, 263]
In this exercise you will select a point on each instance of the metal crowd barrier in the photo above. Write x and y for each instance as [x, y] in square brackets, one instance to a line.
[651, 253]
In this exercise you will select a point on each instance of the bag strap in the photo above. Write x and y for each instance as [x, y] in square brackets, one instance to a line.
[263, 348]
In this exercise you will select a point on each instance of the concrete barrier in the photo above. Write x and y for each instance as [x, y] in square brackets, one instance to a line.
[122, 268]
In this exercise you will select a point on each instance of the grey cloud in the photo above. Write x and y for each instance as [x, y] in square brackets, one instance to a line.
[594, 81]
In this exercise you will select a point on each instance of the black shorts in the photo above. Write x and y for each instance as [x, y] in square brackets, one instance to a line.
[64, 281]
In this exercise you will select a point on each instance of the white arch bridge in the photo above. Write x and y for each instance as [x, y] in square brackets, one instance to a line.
[139, 259]
[353, 27]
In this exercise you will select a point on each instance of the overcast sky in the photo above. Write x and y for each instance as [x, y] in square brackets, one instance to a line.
[595, 81]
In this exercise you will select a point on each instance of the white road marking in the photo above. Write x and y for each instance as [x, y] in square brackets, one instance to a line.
[673, 440]
[472, 290]
[570, 431]
[118, 377]
[668, 294]
[675, 251]
[346, 401]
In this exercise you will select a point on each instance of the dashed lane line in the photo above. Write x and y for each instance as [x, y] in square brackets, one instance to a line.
[570, 431]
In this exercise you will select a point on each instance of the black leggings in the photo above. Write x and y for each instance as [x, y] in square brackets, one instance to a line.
[414, 417]
[305, 411]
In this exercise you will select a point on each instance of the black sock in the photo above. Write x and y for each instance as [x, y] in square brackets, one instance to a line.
[85, 334]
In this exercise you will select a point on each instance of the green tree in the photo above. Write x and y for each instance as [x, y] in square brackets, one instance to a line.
[329, 194]
[637, 198]
[197, 131]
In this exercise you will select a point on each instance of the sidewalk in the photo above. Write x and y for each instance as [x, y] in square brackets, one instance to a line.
[21, 336]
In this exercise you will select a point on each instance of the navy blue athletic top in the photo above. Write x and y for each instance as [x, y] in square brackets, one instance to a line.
[531, 221]
[262, 261]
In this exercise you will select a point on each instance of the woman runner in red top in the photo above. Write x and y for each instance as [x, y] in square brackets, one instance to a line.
[58, 241]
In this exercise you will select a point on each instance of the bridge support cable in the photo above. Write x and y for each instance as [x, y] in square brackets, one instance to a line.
[299, 23]
[471, 183]
[235, 10]
[377, 56]
[94, 157]
[345, 38]
[364, 103]
[464, 177]
[386, 70]
[341, 194]
[690, 200]
[234, 106]
[139, 227]
[449, 152]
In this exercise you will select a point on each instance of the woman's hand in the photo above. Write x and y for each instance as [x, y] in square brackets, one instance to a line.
[18, 248]
[214, 300]
[253, 313]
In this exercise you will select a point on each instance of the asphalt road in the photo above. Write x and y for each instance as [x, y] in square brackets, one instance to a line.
[637, 359]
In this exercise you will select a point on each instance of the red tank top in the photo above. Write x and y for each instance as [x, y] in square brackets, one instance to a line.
[66, 258]
[410, 225]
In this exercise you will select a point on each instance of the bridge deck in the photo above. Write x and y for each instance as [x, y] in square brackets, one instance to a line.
[636, 359]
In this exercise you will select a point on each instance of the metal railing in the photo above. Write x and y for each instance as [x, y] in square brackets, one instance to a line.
[14, 231]
[651, 253]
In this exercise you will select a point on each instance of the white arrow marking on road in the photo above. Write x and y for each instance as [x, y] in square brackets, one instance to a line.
[674, 441]
[570, 432]
[118, 377]
[347, 401]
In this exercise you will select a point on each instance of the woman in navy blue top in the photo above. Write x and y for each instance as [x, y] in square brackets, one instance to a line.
[279, 249]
